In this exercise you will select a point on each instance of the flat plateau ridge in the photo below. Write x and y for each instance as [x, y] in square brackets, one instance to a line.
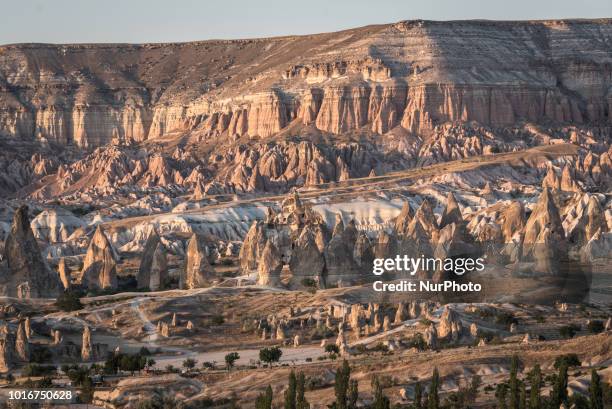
[413, 74]
[215, 198]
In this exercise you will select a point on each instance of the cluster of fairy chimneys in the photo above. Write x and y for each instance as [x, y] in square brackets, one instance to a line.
[345, 256]
[166, 329]
[15, 347]
[355, 323]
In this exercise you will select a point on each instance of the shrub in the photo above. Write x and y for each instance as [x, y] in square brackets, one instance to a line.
[568, 331]
[332, 349]
[505, 318]
[217, 319]
[595, 326]
[39, 370]
[69, 300]
[568, 360]
[270, 355]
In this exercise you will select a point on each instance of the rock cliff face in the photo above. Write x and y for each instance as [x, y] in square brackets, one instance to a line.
[93, 95]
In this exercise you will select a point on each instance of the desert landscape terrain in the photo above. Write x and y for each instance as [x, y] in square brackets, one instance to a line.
[197, 225]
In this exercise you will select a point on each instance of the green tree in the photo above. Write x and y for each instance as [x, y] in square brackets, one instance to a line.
[69, 301]
[230, 359]
[568, 360]
[500, 393]
[353, 394]
[300, 399]
[418, 396]
[332, 349]
[264, 400]
[596, 391]
[514, 383]
[87, 391]
[189, 364]
[380, 400]
[291, 392]
[433, 400]
[523, 397]
[473, 389]
[536, 385]
[558, 395]
[343, 375]
[270, 355]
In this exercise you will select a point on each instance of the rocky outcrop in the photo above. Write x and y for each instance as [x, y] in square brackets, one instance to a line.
[270, 266]
[306, 262]
[86, 345]
[28, 275]
[451, 213]
[402, 221]
[198, 271]
[64, 273]
[252, 247]
[544, 234]
[340, 265]
[7, 352]
[22, 344]
[153, 269]
[99, 265]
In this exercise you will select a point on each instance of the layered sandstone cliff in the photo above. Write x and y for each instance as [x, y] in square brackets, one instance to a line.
[413, 75]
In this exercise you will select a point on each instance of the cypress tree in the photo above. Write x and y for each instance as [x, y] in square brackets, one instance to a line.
[264, 400]
[353, 394]
[514, 383]
[500, 394]
[290, 393]
[558, 395]
[596, 391]
[343, 374]
[380, 400]
[433, 400]
[418, 396]
[300, 399]
[523, 397]
[536, 385]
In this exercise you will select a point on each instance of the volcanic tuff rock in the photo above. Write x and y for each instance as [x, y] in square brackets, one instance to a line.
[544, 233]
[153, 269]
[22, 345]
[259, 87]
[306, 262]
[197, 272]
[99, 266]
[7, 353]
[28, 274]
[86, 345]
[270, 266]
[64, 273]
